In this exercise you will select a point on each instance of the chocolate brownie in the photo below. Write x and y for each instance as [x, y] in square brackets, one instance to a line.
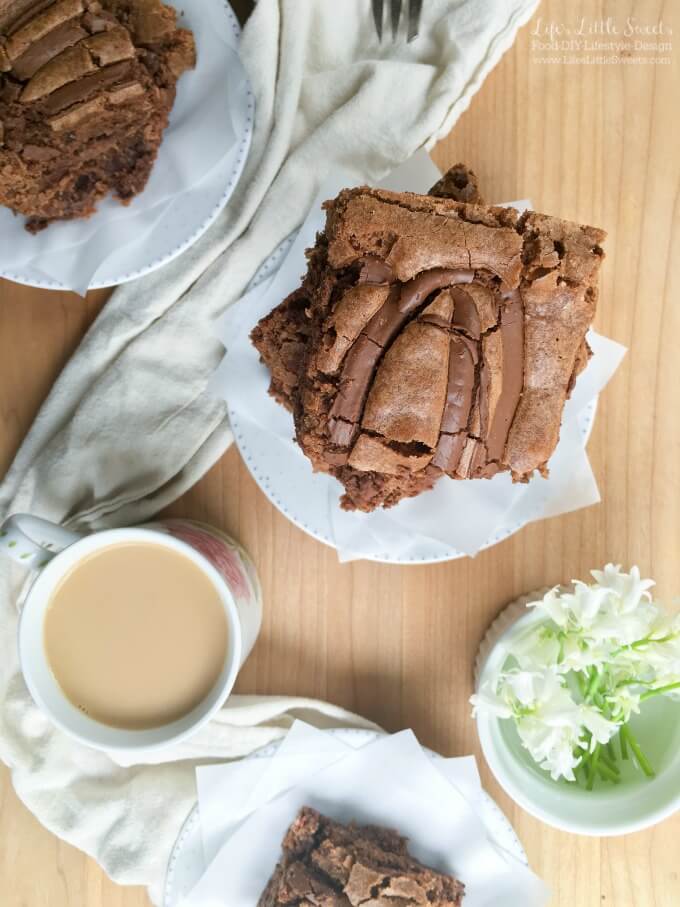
[328, 864]
[282, 336]
[443, 339]
[86, 88]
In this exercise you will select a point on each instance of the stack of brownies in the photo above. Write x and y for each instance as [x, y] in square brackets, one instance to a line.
[432, 336]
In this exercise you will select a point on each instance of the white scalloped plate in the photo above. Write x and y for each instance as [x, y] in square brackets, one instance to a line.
[186, 865]
[289, 483]
[192, 214]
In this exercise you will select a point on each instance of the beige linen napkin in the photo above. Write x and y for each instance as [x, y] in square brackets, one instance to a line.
[128, 426]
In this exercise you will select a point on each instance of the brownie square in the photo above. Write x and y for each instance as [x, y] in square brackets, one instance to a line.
[443, 338]
[86, 88]
[328, 864]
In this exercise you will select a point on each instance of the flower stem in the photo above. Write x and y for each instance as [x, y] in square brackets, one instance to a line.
[641, 643]
[593, 767]
[592, 686]
[609, 761]
[642, 760]
[623, 744]
[659, 691]
[607, 774]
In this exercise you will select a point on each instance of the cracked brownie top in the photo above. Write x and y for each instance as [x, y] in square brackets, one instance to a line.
[328, 864]
[438, 338]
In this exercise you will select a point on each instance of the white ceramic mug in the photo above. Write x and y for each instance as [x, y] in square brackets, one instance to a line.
[52, 551]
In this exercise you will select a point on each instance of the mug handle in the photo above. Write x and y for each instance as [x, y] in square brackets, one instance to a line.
[32, 541]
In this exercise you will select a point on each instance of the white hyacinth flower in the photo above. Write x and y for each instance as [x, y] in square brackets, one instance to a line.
[601, 729]
[629, 589]
[623, 703]
[487, 700]
[572, 681]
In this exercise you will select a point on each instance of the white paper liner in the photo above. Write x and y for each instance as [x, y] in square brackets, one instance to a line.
[466, 516]
[246, 808]
[201, 132]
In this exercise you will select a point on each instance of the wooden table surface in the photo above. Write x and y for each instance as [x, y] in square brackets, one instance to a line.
[593, 143]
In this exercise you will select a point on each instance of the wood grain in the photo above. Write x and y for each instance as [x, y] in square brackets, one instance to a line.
[596, 143]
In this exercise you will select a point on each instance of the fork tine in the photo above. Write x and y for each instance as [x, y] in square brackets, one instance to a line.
[378, 16]
[396, 16]
[414, 10]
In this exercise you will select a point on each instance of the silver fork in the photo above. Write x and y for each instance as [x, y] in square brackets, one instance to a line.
[414, 10]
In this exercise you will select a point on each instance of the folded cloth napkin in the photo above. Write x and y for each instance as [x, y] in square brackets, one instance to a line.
[129, 426]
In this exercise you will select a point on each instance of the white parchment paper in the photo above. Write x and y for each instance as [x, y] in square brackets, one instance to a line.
[200, 133]
[467, 516]
[229, 792]
[391, 782]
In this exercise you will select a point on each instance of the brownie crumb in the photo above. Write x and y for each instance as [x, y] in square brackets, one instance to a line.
[460, 184]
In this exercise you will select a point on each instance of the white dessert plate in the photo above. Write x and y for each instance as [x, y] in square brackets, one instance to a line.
[186, 864]
[188, 215]
[285, 475]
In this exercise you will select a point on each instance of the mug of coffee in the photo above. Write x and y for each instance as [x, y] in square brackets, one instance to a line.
[132, 638]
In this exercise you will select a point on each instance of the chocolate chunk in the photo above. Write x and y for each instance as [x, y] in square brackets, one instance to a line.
[465, 316]
[39, 26]
[110, 46]
[416, 291]
[449, 449]
[472, 458]
[41, 52]
[356, 378]
[71, 64]
[77, 114]
[38, 153]
[341, 433]
[375, 271]
[124, 93]
[85, 88]
[14, 14]
[463, 358]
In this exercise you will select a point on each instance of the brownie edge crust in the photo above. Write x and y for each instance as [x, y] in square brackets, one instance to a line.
[327, 864]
